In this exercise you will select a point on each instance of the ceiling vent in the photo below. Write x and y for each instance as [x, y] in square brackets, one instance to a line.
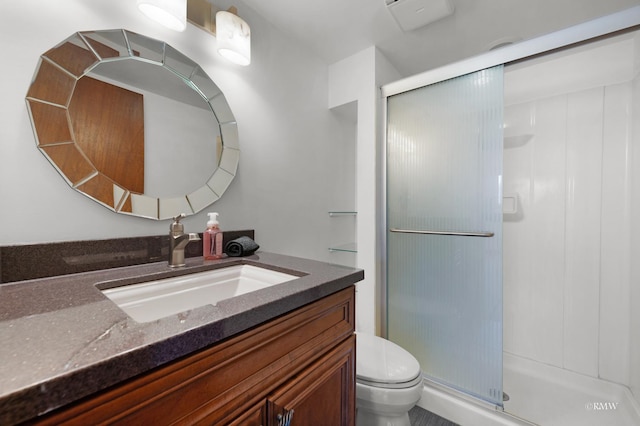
[412, 14]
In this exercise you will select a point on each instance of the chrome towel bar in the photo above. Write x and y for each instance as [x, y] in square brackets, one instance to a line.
[458, 234]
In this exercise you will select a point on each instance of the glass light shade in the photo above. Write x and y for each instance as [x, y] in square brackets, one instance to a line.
[233, 37]
[170, 13]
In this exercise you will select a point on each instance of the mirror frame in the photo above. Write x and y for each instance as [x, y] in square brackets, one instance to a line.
[51, 91]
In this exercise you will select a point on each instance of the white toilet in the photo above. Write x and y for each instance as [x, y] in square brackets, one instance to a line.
[388, 382]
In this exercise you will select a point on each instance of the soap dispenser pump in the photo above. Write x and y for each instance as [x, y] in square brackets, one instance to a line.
[212, 241]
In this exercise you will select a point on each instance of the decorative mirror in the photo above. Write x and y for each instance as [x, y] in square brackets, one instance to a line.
[133, 124]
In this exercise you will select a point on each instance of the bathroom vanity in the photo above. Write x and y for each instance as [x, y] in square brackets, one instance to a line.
[287, 351]
[108, 346]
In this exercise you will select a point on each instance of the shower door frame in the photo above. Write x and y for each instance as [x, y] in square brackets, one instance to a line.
[626, 20]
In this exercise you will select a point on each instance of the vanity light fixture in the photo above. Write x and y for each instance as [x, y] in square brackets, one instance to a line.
[233, 36]
[170, 13]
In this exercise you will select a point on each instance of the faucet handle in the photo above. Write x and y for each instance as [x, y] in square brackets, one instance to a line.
[176, 226]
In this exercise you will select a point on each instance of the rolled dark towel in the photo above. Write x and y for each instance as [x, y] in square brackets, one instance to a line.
[243, 246]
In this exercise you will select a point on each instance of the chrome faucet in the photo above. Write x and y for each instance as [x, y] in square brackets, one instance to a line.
[178, 240]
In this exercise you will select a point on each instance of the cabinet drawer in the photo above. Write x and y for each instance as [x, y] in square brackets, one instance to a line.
[255, 416]
[224, 381]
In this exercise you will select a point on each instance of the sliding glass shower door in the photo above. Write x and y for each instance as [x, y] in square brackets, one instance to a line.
[444, 236]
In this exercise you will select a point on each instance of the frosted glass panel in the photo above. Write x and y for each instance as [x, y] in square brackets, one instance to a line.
[444, 292]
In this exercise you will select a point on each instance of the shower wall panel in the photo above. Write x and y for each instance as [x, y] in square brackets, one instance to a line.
[582, 244]
[533, 295]
[635, 235]
[615, 275]
[567, 248]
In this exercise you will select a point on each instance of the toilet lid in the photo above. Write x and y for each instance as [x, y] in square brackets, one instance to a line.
[381, 361]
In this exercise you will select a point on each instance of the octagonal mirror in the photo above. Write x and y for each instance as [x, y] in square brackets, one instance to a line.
[133, 124]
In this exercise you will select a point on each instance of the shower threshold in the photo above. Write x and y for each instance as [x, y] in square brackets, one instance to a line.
[463, 409]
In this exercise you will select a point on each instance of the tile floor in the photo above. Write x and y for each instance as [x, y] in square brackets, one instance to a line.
[421, 417]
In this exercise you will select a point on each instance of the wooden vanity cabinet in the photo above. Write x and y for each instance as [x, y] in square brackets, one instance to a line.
[303, 362]
[321, 395]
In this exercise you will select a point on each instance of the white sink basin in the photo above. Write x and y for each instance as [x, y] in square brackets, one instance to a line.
[152, 300]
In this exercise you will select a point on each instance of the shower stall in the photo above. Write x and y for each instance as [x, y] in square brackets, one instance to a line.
[511, 194]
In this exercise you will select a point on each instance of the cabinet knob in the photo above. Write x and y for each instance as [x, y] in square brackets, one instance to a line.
[285, 419]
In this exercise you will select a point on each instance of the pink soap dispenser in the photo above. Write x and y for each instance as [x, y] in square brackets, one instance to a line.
[212, 241]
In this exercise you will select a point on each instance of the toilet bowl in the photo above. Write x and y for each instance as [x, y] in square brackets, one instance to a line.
[388, 382]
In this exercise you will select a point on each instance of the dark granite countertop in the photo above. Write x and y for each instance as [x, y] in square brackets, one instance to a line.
[61, 339]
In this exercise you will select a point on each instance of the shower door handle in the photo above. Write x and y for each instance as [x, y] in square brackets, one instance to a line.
[458, 234]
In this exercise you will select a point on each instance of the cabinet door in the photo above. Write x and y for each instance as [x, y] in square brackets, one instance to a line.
[323, 394]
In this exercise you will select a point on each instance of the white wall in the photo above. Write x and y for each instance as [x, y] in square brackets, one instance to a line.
[357, 79]
[289, 139]
[567, 251]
